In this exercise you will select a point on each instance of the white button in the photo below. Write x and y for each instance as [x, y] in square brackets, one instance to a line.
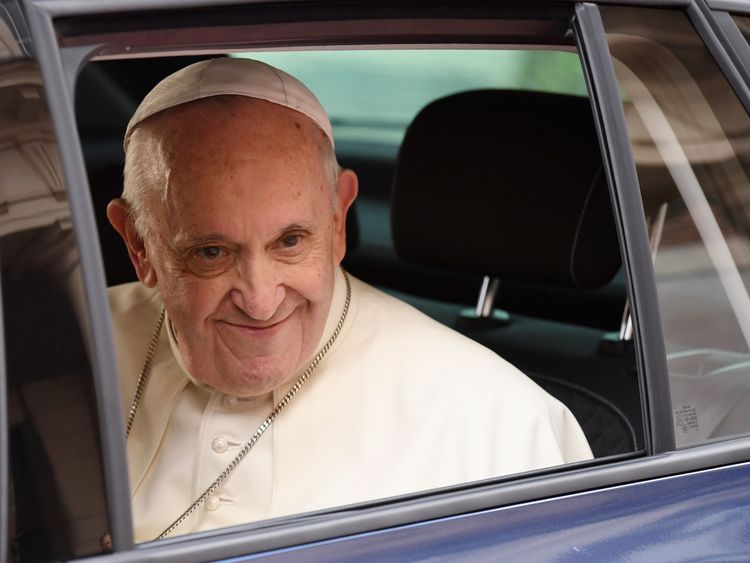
[229, 402]
[212, 503]
[219, 445]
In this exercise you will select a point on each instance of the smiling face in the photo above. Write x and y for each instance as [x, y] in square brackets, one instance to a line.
[244, 241]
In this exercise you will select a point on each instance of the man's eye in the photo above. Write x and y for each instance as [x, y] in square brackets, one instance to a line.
[290, 241]
[209, 253]
[209, 260]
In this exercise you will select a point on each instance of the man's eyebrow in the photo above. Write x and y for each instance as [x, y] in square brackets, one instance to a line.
[296, 227]
[190, 239]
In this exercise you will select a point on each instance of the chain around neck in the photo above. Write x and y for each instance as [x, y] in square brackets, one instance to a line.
[146, 370]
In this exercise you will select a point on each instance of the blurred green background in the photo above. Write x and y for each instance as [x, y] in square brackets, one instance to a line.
[374, 94]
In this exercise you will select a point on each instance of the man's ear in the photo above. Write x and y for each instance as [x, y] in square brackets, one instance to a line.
[118, 213]
[347, 189]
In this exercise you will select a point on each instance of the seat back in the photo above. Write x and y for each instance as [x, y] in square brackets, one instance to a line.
[510, 185]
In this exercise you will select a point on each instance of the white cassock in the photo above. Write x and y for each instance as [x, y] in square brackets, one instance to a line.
[399, 404]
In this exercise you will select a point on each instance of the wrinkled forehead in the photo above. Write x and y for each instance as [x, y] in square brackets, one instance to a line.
[243, 169]
[230, 149]
[208, 144]
[225, 123]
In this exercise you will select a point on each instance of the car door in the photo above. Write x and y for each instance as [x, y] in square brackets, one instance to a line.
[669, 102]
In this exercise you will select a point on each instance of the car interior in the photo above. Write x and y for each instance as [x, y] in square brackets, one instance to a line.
[492, 215]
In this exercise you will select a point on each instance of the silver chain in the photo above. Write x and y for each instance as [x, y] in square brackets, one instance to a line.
[263, 425]
[145, 370]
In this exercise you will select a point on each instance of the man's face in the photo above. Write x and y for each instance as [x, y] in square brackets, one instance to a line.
[246, 241]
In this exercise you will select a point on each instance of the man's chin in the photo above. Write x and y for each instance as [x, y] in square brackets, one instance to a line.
[254, 382]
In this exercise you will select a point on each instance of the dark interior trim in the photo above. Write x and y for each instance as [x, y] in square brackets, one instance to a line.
[4, 438]
[224, 28]
[59, 8]
[301, 34]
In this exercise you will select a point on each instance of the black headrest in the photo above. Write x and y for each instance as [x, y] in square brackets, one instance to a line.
[507, 184]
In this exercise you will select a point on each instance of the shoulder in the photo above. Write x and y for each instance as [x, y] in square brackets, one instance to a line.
[393, 324]
[132, 304]
[412, 351]
[431, 364]
[127, 297]
[135, 310]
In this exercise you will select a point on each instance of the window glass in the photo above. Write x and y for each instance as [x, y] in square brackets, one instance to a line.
[57, 503]
[691, 142]
[743, 24]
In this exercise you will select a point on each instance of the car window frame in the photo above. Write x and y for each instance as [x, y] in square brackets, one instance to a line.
[630, 217]
[736, 48]
[111, 429]
[736, 6]
[59, 68]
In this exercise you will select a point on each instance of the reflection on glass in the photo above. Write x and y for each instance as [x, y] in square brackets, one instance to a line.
[691, 142]
[57, 509]
[9, 42]
[743, 24]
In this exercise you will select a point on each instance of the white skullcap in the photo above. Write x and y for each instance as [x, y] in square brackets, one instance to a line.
[241, 77]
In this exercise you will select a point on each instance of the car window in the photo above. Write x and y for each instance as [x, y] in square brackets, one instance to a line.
[690, 137]
[56, 501]
[561, 337]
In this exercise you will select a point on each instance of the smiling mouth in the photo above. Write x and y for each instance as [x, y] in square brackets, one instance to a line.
[256, 328]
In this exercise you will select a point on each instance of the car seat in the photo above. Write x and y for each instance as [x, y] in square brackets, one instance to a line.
[510, 185]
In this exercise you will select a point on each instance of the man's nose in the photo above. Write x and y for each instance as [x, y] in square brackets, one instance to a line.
[258, 291]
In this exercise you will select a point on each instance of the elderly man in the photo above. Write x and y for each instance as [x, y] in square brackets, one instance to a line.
[260, 378]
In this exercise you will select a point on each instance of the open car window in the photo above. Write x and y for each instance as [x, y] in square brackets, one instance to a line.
[562, 336]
